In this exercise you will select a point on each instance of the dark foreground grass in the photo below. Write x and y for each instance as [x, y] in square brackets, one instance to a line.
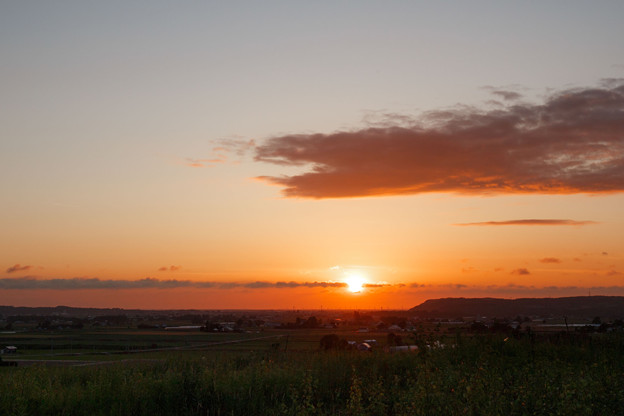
[483, 375]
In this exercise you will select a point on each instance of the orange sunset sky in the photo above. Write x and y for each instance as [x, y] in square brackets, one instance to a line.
[309, 154]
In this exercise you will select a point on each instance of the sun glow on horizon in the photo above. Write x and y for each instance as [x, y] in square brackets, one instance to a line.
[355, 282]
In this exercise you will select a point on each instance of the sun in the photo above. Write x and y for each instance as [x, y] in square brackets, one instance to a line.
[354, 282]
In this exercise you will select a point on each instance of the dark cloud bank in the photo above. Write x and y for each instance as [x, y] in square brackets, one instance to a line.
[30, 283]
[572, 143]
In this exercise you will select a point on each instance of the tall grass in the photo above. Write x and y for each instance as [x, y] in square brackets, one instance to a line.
[480, 375]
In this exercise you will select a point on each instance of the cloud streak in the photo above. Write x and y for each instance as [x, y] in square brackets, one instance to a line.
[571, 143]
[18, 268]
[552, 260]
[222, 149]
[31, 283]
[202, 163]
[529, 222]
[428, 289]
[171, 268]
[383, 285]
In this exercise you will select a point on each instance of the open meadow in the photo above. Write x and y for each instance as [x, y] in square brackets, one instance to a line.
[122, 371]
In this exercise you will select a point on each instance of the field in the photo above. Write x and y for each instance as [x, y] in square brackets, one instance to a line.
[275, 372]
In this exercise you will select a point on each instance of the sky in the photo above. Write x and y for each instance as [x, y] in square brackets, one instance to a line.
[278, 155]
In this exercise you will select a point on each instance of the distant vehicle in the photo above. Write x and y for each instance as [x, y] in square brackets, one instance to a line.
[9, 350]
[364, 347]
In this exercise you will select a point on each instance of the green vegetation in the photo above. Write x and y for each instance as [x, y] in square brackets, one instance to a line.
[565, 374]
[78, 343]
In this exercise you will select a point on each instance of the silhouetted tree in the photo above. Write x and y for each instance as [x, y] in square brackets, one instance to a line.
[500, 327]
[478, 327]
[394, 340]
[330, 342]
[46, 324]
[311, 322]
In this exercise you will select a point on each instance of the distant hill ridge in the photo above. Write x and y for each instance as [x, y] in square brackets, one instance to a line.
[577, 306]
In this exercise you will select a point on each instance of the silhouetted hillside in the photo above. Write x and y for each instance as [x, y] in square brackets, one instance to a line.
[578, 306]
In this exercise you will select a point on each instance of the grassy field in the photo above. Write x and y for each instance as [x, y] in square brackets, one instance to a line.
[566, 374]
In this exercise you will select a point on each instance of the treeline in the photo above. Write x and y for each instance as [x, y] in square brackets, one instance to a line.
[55, 322]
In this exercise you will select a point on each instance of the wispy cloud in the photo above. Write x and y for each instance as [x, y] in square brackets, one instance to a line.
[222, 150]
[521, 271]
[285, 285]
[169, 268]
[571, 143]
[202, 163]
[383, 285]
[238, 146]
[550, 260]
[507, 95]
[530, 222]
[18, 268]
[416, 285]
